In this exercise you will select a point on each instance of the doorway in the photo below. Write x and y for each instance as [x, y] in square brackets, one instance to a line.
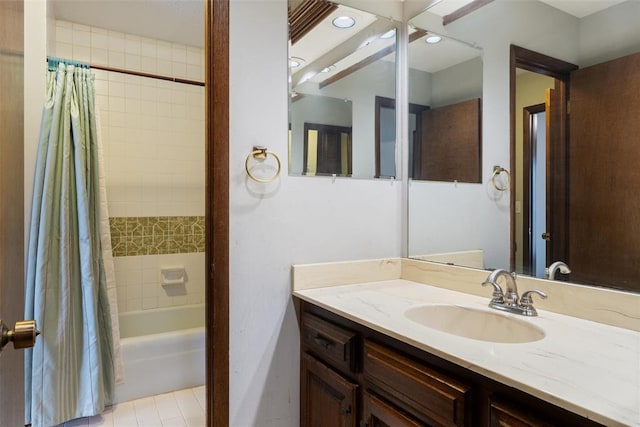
[539, 160]
[533, 202]
[217, 224]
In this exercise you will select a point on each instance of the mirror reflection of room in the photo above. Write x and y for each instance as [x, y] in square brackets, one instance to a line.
[341, 62]
[577, 130]
[445, 132]
[569, 212]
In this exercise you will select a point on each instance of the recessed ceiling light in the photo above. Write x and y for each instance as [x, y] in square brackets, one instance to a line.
[389, 34]
[343, 22]
[328, 69]
[433, 39]
[295, 62]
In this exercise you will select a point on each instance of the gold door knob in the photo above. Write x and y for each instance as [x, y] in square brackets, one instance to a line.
[23, 334]
[546, 236]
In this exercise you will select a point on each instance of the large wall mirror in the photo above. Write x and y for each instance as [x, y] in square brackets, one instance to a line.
[560, 114]
[342, 119]
[445, 141]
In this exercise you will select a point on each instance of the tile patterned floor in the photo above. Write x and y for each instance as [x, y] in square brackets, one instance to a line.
[183, 408]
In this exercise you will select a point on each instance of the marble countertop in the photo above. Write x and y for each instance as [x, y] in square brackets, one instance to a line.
[586, 367]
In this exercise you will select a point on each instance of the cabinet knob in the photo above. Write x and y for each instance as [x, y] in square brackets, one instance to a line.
[322, 342]
[346, 411]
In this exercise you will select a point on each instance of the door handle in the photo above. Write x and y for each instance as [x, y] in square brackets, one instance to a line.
[546, 236]
[23, 334]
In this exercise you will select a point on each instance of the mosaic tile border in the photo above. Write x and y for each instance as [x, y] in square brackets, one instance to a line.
[156, 235]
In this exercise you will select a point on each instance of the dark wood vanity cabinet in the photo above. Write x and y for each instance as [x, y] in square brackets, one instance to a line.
[502, 415]
[328, 398]
[329, 391]
[425, 394]
[354, 376]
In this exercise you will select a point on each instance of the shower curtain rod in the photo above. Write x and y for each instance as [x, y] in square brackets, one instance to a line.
[140, 73]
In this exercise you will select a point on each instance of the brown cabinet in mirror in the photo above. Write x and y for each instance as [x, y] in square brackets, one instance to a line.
[450, 143]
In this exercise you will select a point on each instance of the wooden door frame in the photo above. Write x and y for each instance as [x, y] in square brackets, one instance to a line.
[560, 70]
[217, 210]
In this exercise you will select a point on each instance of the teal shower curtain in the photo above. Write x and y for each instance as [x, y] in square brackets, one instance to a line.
[70, 372]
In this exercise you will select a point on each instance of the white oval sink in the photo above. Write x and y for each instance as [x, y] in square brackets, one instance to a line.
[475, 324]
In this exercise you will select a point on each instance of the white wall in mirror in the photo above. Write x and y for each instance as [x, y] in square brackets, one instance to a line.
[621, 35]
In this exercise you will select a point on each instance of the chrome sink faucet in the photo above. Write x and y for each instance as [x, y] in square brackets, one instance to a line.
[509, 300]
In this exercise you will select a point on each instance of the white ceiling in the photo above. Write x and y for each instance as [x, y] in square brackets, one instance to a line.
[338, 48]
[182, 21]
[581, 8]
[178, 21]
[325, 37]
[577, 8]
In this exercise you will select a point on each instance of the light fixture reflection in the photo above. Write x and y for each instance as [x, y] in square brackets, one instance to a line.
[389, 34]
[343, 22]
[295, 62]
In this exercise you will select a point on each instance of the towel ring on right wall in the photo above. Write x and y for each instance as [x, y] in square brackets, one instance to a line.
[497, 171]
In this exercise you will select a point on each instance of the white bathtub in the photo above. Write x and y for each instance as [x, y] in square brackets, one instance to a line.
[163, 350]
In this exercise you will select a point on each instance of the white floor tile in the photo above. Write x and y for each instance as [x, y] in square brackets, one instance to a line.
[201, 396]
[174, 422]
[146, 411]
[188, 403]
[168, 407]
[196, 421]
[182, 408]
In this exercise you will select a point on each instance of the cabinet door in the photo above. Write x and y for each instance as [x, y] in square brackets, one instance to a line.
[505, 416]
[328, 399]
[378, 413]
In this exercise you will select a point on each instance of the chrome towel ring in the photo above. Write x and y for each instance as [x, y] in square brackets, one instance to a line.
[260, 154]
[497, 171]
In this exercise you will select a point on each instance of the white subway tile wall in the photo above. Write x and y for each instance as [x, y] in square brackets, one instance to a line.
[139, 284]
[153, 142]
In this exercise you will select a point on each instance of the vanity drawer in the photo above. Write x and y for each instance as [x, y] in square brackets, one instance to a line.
[423, 392]
[332, 343]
